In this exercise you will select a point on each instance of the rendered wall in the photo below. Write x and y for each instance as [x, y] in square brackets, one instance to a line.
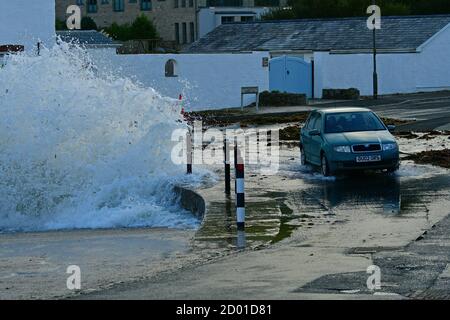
[207, 81]
[396, 72]
[433, 63]
[426, 70]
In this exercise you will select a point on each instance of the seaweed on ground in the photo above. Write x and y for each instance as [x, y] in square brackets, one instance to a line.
[439, 158]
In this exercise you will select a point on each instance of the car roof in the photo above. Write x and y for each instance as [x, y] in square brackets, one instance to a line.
[342, 110]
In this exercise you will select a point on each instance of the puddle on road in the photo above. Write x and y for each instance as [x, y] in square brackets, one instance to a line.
[406, 192]
[317, 200]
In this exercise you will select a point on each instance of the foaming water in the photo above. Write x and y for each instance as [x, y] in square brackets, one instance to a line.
[410, 170]
[82, 151]
[307, 172]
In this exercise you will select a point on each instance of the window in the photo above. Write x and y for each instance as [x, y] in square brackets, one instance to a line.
[227, 20]
[267, 3]
[191, 3]
[177, 33]
[224, 3]
[192, 31]
[184, 32]
[133, 1]
[247, 18]
[146, 5]
[318, 123]
[170, 68]
[92, 6]
[118, 5]
[175, 3]
[80, 2]
[353, 122]
[105, 1]
[183, 3]
[312, 121]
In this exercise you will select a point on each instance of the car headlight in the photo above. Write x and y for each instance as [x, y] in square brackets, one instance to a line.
[389, 146]
[343, 149]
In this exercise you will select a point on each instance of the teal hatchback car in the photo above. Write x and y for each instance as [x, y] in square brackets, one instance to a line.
[348, 139]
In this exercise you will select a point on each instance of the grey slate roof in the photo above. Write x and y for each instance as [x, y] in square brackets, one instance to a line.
[88, 38]
[397, 33]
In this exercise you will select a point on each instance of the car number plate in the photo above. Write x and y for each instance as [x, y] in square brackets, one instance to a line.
[364, 159]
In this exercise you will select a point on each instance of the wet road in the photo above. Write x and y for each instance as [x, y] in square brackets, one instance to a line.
[432, 106]
[304, 199]
[430, 110]
[318, 234]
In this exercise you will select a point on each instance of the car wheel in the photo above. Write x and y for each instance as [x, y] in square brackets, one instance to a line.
[303, 157]
[324, 168]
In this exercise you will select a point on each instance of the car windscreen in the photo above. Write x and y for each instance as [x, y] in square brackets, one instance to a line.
[352, 122]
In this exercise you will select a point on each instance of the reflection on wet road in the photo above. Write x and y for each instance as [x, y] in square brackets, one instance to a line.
[274, 214]
[378, 193]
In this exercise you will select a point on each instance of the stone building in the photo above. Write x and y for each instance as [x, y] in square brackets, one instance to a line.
[181, 21]
[173, 19]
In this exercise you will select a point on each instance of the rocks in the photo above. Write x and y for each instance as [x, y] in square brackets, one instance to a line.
[291, 133]
[406, 135]
[279, 99]
[341, 94]
[437, 157]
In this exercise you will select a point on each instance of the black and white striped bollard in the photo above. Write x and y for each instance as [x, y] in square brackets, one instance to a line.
[226, 151]
[235, 161]
[189, 152]
[240, 191]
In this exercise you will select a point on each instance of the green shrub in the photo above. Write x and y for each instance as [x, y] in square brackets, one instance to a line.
[141, 28]
[341, 94]
[87, 23]
[60, 25]
[279, 99]
[119, 32]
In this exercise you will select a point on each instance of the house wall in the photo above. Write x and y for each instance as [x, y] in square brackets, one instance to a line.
[426, 70]
[25, 22]
[207, 81]
[396, 72]
[433, 63]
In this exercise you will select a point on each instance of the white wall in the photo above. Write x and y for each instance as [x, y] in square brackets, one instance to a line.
[25, 22]
[207, 81]
[427, 70]
[396, 72]
[433, 63]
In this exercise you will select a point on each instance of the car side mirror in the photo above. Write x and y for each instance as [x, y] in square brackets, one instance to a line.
[314, 132]
[391, 128]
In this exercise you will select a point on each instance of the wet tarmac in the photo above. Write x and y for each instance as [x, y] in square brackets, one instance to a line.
[304, 199]
[297, 215]
[307, 236]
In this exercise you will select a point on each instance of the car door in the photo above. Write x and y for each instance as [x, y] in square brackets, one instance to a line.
[306, 138]
[315, 143]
